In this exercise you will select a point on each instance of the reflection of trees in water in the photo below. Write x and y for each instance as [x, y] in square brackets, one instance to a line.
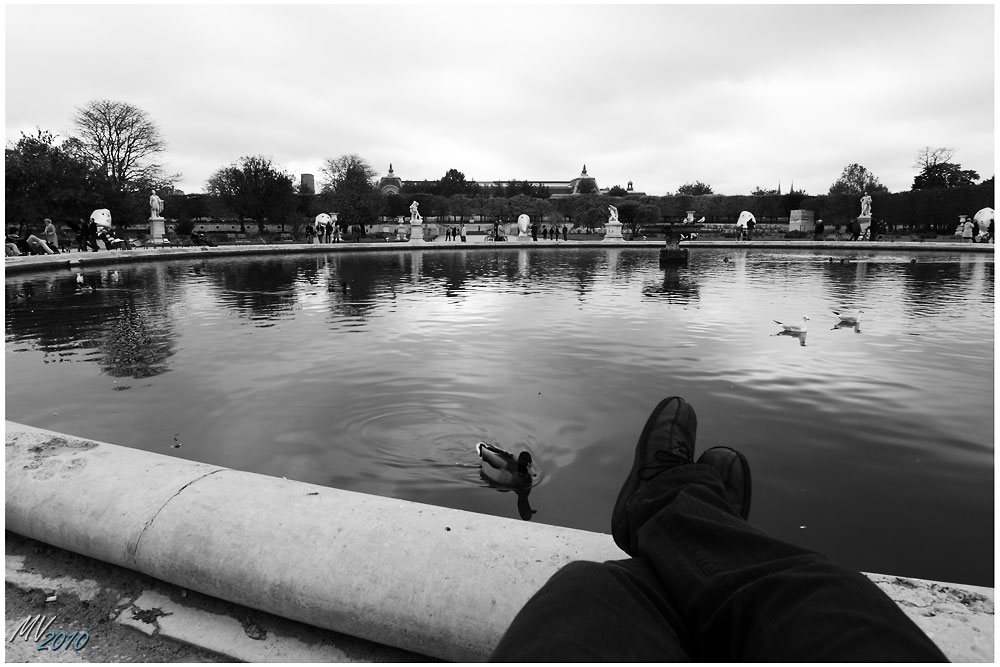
[678, 286]
[122, 323]
[134, 346]
[262, 288]
[935, 287]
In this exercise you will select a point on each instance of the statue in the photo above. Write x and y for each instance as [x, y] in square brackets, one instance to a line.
[523, 222]
[414, 213]
[866, 206]
[101, 218]
[614, 214]
[155, 205]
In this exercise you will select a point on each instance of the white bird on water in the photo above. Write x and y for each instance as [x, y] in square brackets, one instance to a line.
[794, 328]
[849, 317]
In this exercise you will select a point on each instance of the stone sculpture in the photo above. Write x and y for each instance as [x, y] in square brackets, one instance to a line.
[414, 212]
[614, 214]
[101, 217]
[155, 206]
[523, 222]
[866, 206]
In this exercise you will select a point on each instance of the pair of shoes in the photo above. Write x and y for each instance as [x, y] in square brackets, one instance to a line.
[668, 440]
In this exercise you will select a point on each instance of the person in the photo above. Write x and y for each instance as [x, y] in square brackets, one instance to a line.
[989, 232]
[462, 232]
[701, 582]
[855, 226]
[534, 231]
[38, 246]
[90, 238]
[155, 205]
[818, 231]
[310, 234]
[545, 233]
[50, 235]
[750, 225]
[967, 233]
[565, 231]
[447, 233]
[866, 206]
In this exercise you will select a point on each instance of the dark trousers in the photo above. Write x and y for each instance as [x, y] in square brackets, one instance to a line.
[708, 586]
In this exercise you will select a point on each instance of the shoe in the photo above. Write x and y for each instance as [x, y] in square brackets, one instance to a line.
[667, 440]
[735, 472]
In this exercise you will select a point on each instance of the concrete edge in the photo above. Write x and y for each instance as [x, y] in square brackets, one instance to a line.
[79, 260]
[435, 581]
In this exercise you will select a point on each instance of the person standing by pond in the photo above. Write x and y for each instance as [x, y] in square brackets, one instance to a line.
[968, 232]
[818, 231]
[50, 235]
[463, 232]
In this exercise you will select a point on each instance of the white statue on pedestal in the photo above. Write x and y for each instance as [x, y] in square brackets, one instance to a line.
[866, 206]
[614, 214]
[155, 206]
[414, 212]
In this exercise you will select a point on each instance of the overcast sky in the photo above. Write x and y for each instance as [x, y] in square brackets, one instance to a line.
[735, 96]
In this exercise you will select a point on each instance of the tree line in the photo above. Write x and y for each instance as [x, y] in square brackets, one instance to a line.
[113, 162]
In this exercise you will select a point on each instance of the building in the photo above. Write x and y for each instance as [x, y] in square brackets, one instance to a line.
[582, 184]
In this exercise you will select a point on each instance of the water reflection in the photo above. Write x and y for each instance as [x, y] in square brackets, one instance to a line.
[378, 372]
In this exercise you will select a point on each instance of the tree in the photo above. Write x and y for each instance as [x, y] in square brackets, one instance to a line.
[349, 189]
[453, 183]
[44, 178]
[254, 188]
[123, 142]
[855, 180]
[336, 170]
[617, 191]
[938, 171]
[762, 192]
[694, 189]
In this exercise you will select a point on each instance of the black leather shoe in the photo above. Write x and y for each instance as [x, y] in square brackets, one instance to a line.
[735, 472]
[666, 441]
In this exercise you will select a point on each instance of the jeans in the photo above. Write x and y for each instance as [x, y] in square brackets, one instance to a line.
[708, 586]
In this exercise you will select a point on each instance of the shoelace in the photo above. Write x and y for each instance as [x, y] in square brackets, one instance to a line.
[664, 460]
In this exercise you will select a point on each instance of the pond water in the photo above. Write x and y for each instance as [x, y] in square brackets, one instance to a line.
[378, 372]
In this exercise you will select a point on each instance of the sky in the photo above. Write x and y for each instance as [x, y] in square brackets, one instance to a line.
[735, 96]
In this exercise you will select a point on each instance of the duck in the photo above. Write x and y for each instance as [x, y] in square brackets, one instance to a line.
[849, 317]
[502, 467]
[794, 328]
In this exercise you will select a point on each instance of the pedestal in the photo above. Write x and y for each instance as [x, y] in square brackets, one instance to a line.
[613, 231]
[156, 229]
[417, 232]
[866, 221]
[801, 220]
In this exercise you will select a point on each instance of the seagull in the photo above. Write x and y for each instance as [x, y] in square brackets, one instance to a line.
[849, 317]
[794, 328]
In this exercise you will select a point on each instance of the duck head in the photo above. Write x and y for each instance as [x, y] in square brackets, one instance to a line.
[523, 462]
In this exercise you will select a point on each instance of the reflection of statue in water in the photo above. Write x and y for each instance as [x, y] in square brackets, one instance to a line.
[866, 206]
[155, 205]
[414, 213]
[614, 214]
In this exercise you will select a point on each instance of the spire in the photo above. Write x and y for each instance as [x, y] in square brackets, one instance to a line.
[390, 169]
[779, 187]
[584, 170]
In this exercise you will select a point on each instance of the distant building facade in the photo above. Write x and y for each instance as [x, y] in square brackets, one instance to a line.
[582, 184]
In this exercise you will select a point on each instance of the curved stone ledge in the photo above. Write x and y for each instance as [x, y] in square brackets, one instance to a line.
[440, 582]
[77, 260]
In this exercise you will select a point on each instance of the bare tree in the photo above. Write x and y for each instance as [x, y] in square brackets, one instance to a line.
[122, 141]
[928, 158]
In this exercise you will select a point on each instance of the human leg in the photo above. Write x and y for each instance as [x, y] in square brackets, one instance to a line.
[597, 612]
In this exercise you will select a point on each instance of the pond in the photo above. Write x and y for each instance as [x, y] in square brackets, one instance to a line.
[378, 372]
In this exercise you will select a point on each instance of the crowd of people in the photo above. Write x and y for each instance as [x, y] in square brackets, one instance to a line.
[22, 240]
